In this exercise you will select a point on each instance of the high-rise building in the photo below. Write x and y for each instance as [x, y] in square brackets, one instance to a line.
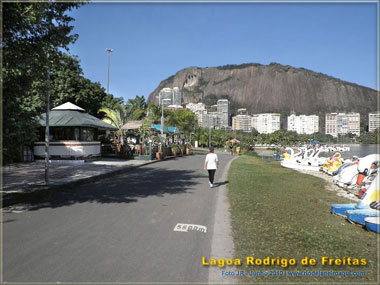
[196, 107]
[303, 124]
[214, 120]
[331, 127]
[167, 94]
[242, 121]
[171, 96]
[373, 121]
[353, 123]
[177, 96]
[342, 124]
[223, 108]
[209, 120]
[202, 118]
[266, 123]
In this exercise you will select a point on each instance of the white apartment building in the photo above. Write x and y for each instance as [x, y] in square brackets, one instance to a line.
[373, 121]
[242, 121]
[196, 107]
[342, 124]
[353, 123]
[303, 124]
[177, 96]
[170, 96]
[202, 118]
[266, 123]
[209, 120]
[331, 127]
[223, 108]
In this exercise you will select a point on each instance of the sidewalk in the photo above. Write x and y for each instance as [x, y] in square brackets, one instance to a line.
[23, 180]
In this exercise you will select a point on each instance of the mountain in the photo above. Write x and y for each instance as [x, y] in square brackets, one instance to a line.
[271, 88]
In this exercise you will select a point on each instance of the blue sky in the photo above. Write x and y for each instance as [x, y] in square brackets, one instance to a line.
[153, 41]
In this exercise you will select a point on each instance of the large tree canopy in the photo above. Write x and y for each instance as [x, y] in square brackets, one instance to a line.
[33, 33]
[34, 38]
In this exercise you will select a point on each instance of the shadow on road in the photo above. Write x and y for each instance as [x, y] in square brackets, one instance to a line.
[123, 188]
[218, 184]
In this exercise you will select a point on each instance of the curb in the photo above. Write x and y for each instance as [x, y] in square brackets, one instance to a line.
[222, 244]
[43, 191]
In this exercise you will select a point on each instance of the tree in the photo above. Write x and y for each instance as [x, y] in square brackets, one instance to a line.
[185, 120]
[33, 34]
[69, 85]
[111, 102]
[153, 112]
[118, 118]
[136, 107]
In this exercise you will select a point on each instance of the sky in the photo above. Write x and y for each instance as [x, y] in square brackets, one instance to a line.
[152, 41]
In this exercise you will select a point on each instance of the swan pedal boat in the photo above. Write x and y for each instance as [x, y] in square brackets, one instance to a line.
[359, 216]
[372, 224]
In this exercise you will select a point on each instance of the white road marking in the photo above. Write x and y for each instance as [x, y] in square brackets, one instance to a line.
[186, 227]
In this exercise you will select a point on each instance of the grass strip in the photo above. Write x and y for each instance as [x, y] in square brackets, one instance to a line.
[278, 212]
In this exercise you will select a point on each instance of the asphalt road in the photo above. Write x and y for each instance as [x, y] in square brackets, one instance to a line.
[119, 229]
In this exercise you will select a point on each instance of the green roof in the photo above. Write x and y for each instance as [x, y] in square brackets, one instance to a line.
[70, 118]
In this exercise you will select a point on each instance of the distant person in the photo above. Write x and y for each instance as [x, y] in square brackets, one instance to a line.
[211, 164]
[238, 150]
[231, 150]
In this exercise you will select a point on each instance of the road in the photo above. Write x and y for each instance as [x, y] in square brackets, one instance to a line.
[119, 229]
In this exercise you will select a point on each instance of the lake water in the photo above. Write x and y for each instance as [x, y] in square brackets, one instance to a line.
[359, 150]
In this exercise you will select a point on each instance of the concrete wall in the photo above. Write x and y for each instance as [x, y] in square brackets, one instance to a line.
[67, 149]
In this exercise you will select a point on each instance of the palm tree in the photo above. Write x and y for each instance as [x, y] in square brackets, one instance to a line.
[117, 117]
[136, 107]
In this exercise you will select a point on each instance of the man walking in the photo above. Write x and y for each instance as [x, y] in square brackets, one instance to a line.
[211, 164]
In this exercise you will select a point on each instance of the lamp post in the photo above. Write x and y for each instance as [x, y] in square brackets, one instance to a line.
[47, 129]
[209, 132]
[109, 50]
[162, 115]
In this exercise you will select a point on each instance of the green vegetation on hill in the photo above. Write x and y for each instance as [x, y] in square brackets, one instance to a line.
[237, 66]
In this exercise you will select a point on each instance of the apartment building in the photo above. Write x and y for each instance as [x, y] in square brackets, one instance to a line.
[168, 96]
[342, 124]
[196, 107]
[242, 121]
[303, 124]
[209, 120]
[331, 127]
[223, 108]
[373, 121]
[266, 123]
[353, 123]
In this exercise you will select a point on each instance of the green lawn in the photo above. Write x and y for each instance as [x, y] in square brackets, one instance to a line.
[279, 212]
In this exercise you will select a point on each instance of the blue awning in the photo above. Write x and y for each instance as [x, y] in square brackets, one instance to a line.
[158, 128]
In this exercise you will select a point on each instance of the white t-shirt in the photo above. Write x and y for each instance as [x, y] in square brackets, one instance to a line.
[211, 160]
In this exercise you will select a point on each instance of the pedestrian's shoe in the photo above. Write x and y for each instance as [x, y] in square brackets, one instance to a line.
[210, 184]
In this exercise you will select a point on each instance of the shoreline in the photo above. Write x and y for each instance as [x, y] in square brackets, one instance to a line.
[330, 186]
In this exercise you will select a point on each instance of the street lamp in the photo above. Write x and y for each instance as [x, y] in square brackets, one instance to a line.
[209, 132]
[109, 50]
[162, 115]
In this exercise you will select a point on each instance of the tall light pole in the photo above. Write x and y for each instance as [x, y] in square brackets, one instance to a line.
[47, 127]
[209, 132]
[162, 115]
[109, 50]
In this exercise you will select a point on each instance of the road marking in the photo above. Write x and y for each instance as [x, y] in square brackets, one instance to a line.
[186, 227]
